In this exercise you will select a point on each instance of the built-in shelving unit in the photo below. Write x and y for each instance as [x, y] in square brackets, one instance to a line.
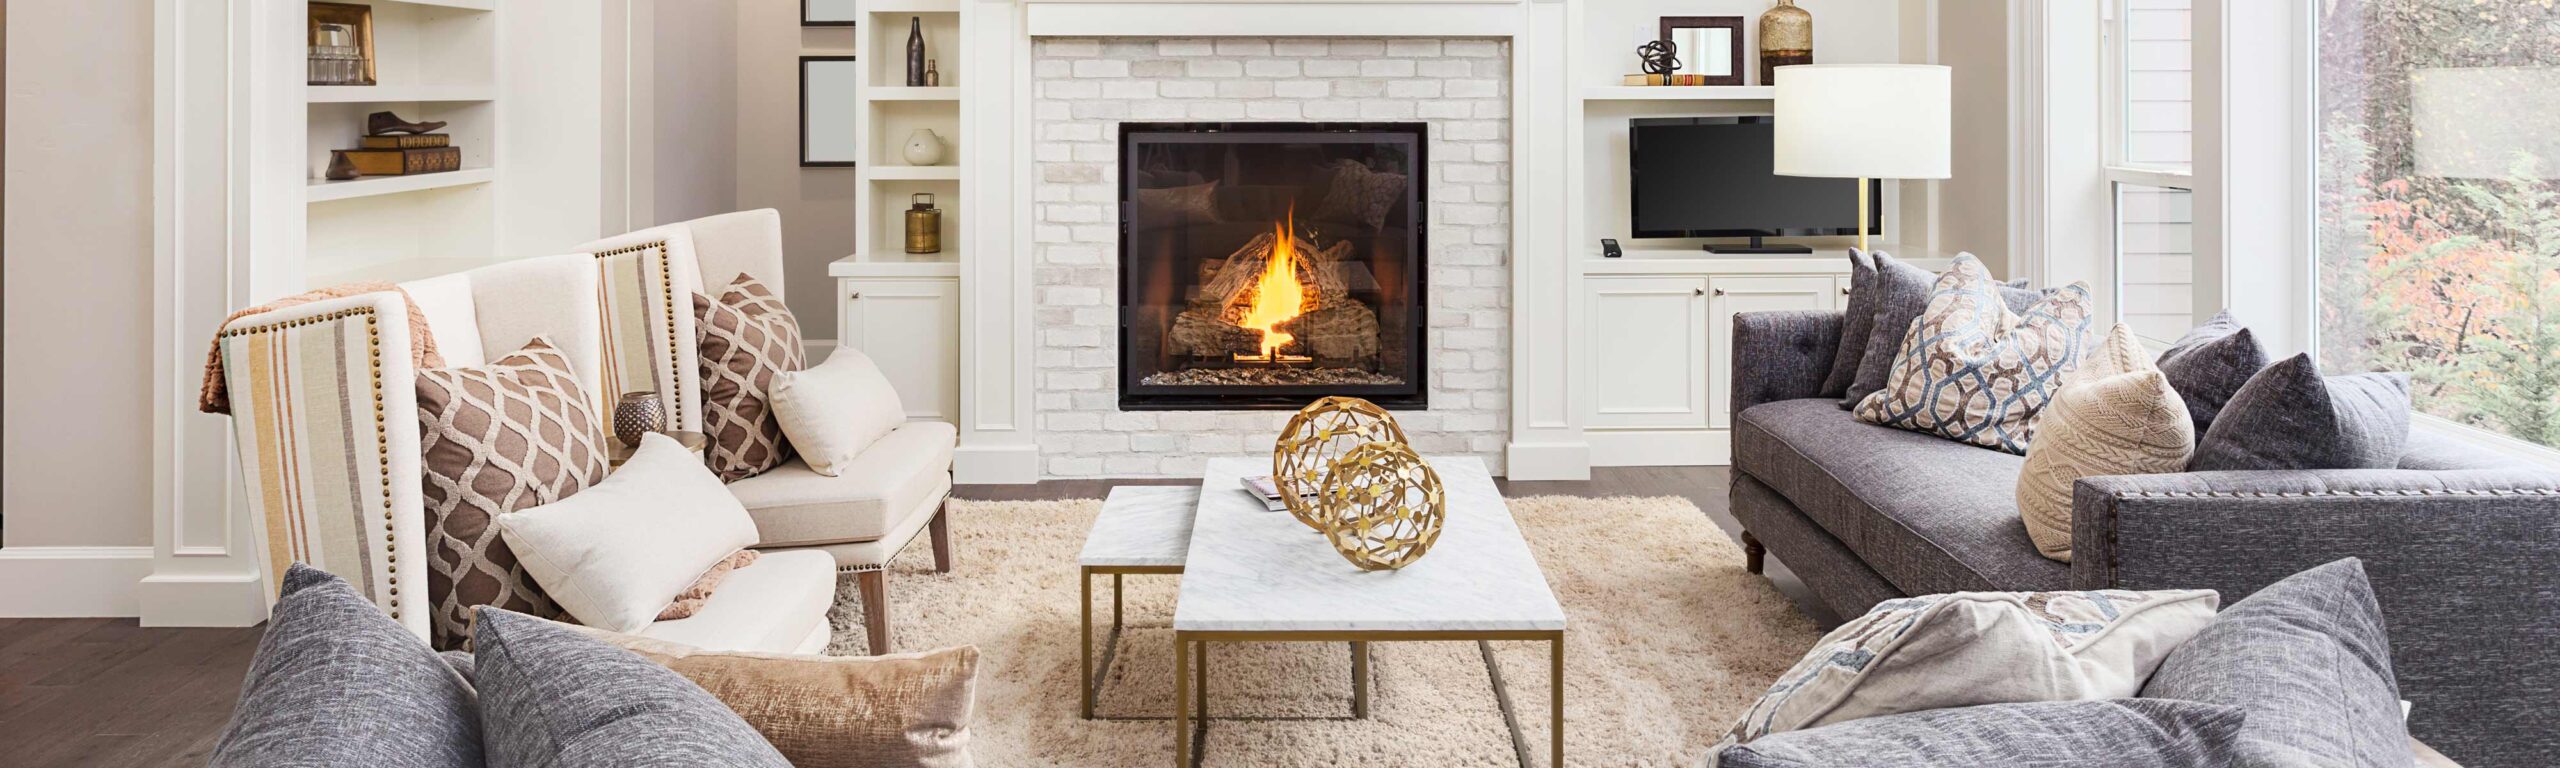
[892, 111]
[433, 60]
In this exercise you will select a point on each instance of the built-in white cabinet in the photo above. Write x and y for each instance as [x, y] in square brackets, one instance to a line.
[1657, 340]
[910, 326]
[1650, 332]
[1728, 294]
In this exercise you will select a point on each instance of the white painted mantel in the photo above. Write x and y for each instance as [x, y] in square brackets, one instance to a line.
[998, 431]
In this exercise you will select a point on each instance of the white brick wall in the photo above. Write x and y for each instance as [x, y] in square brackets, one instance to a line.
[1086, 87]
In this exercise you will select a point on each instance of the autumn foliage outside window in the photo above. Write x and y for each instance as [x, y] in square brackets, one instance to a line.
[2439, 204]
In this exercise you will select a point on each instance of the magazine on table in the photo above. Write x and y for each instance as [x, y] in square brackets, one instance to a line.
[1262, 487]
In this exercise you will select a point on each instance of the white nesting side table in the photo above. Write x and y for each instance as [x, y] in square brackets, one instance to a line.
[1143, 529]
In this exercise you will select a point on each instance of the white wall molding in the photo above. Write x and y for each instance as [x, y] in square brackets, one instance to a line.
[68, 582]
[1548, 369]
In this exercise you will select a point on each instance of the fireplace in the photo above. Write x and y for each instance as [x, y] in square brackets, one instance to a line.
[1264, 265]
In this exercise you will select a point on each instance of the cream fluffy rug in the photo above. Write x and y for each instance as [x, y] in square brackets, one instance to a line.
[1667, 640]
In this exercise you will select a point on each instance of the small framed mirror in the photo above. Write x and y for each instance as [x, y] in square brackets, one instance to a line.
[829, 104]
[1707, 45]
[828, 13]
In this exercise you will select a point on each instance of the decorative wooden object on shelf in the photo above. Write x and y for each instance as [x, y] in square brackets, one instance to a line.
[1786, 38]
[412, 141]
[1304, 457]
[385, 124]
[1384, 504]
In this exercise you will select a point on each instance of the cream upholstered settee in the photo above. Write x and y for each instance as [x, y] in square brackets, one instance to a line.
[324, 412]
[862, 517]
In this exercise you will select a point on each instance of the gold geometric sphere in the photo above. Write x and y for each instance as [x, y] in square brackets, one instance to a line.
[1386, 506]
[1319, 434]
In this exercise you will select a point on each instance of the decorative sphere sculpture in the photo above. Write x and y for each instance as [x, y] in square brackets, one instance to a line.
[1322, 432]
[1385, 505]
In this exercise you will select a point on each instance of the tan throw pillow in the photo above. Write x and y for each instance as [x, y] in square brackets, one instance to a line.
[906, 709]
[1972, 371]
[517, 433]
[746, 338]
[1970, 648]
[835, 410]
[692, 598]
[2117, 415]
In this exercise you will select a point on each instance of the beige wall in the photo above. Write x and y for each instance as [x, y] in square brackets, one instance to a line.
[694, 45]
[77, 407]
[816, 203]
[1973, 38]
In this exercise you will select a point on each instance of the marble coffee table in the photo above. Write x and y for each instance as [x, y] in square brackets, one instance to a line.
[1142, 530]
[1254, 575]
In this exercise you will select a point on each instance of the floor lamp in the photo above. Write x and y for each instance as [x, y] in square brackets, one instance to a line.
[1862, 121]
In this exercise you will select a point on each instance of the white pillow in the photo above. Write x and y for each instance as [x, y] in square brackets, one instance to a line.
[835, 410]
[615, 554]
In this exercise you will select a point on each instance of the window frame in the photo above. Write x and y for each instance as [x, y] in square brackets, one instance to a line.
[2115, 173]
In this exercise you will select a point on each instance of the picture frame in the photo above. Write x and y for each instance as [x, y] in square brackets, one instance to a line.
[359, 17]
[830, 104]
[1707, 45]
[829, 13]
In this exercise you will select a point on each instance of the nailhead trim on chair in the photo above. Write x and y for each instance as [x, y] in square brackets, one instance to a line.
[381, 435]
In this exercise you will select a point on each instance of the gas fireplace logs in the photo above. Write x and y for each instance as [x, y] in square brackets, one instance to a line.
[1231, 320]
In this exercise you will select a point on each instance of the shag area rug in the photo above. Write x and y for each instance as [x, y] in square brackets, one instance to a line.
[1667, 640]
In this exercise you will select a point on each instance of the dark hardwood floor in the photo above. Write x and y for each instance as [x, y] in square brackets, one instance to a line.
[105, 692]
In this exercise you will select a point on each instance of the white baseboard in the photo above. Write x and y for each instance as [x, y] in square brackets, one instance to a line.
[1661, 447]
[996, 465]
[72, 582]
[1547, 461]
[202, 600]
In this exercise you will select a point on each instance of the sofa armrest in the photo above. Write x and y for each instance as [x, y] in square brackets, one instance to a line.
[2465, 563]
[324, 415]
[1782, 355]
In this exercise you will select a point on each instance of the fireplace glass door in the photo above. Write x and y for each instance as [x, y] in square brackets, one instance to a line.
[1264, 265]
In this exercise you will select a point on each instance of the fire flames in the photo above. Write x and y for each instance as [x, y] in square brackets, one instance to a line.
[1277, 294]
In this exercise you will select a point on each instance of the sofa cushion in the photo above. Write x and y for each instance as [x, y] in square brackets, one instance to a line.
[1857, 320]
[2308, 658]
[391, 702]
[831, 412]
[2290, 417]
[795, 506]
[1971, 370]
[552, 697]
[1901, 293]
[2209, 364]
[2116, 416]
[1930, 515]
[2124, 733]
[616, 554]
[747, 338]
[769, 606]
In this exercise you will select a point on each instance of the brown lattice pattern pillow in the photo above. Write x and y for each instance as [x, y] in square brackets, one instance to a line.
[517, 433]
[746, 338]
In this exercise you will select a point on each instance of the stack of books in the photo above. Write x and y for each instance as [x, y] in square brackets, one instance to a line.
[1674, 79]
[401, 155]
[1262, 488]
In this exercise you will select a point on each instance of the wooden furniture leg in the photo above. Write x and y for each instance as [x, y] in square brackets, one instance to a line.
[875, 608]
[1752, 552]
[941, 527]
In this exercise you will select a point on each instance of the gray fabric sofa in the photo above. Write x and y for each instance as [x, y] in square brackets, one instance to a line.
[2463, 545]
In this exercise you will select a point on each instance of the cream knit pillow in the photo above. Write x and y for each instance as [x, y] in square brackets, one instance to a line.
[2117, 415]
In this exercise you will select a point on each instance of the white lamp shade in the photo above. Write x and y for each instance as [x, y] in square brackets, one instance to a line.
[1868, 121]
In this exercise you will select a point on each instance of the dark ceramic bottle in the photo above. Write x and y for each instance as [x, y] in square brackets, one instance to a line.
[915, 51]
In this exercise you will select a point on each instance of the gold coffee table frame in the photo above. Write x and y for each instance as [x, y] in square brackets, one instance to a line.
[1191, 679]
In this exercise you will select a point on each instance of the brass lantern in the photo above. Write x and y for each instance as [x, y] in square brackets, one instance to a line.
[924, 224]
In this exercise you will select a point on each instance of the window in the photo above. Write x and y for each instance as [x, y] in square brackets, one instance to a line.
[2148, 157]
[2437, 215]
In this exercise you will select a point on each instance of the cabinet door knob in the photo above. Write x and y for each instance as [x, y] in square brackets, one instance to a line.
[856, 295]
[1719, 291]
[1844, 290]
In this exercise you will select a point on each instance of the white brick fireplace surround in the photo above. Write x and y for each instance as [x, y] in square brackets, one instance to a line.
[1086, 87]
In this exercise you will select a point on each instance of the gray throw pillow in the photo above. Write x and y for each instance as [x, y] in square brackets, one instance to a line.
[2019, 297]
[2308, 660]
[2290, 417]
[338, 682]
[1857, 319]
[2113, 732]
[1901, 293]
[552, 697]
[2208, 365]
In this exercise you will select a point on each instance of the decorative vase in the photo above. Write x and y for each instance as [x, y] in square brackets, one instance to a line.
[923, 148]
[924, 224]
[1786, 38]
[932, 76]
[915, 51]
[637, 413]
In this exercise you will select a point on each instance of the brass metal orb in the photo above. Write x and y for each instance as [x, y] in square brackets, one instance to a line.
[1386, 506]
[1323, 431]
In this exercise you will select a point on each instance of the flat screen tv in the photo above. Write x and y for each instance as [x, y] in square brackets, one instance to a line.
[1710, 177]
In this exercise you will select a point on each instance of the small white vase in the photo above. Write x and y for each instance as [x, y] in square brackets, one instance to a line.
[924, 148]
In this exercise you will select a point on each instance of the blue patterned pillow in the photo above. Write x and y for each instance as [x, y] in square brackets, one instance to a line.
[1971, 370]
